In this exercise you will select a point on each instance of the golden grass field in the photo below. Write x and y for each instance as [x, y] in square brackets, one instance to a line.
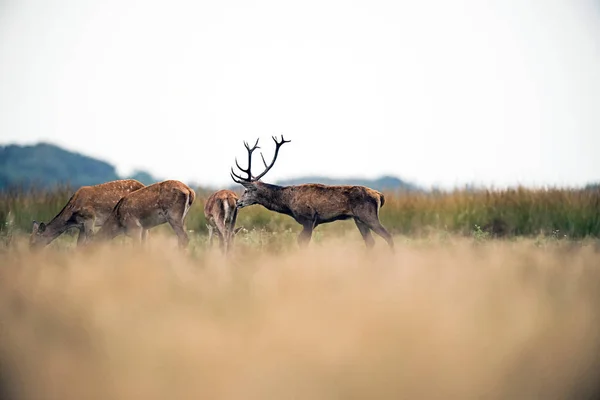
[444, 317]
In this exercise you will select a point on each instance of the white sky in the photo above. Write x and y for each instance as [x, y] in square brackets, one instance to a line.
[436, 92]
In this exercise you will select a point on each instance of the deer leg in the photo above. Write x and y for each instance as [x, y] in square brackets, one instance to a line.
[221, 242]
[81, 237]
[132, 227]
[226, 243]
[306, 234]
[177, 225]
[135, 233]
[231, 231]
[85, 232]
[381, 231]
[144, 237]
[86, 229]
[210, 235]
[369, 216]
[308, 228]
[365, 232]
[176, 217]
[366, 219]
[222, 233]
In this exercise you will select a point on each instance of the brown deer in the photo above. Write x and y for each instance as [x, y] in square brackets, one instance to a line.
[156, 204]
[89, 207]
[313, 204]
[220, 211]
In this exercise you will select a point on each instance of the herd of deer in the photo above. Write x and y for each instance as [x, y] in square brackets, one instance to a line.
[128, 207]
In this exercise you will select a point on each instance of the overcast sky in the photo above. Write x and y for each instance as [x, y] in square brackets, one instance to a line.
[436, 92]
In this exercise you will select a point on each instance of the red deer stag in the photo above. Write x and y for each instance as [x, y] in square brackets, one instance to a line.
[220, 211]
[156, 204]
[89, 206]
[313, 204]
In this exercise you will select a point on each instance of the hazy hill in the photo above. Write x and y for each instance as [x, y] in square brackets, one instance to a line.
[144, 177]
[382, 183]
[46, 165]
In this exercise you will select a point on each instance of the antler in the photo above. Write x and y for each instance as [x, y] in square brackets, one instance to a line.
[268, 167]
[252, 178]
[246, 170]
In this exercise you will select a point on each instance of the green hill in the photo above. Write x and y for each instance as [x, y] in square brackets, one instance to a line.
[46, 165]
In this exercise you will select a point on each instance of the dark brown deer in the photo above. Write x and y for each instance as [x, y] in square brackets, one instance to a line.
[313, 204]
[89, 207]
[220, 211]
[156, 204]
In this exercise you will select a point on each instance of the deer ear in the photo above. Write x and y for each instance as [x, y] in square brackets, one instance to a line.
[42, 227]
[35, 226]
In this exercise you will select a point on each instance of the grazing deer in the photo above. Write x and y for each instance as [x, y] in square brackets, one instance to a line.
[156, 204]
[89, 206]
[313, 204]
[220, 211]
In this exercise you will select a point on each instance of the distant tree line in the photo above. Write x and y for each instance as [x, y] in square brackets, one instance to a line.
[45, 166]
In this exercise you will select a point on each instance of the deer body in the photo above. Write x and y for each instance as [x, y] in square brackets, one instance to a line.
[156, 204]
[220, 211]
[88, 207]
[313, 204]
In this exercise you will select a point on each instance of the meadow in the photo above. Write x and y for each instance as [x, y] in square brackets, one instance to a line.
[453, 313]
[522, 212]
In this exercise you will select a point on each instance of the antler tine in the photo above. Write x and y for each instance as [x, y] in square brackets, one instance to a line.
[278, 144]
[249, 168]
[263, 158]
[246, 170]
[282, 140]
[238, 165]
[234, 175]
[256, 146]
[268, 167]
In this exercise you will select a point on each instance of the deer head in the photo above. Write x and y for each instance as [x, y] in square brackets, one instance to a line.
[256, 192]
[39, 237]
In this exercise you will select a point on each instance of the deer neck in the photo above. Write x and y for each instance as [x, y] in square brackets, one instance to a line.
[54, 229]
[58, 225]
[276, 199]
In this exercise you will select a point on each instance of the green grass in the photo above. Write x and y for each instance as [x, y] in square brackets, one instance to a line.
[523, 212]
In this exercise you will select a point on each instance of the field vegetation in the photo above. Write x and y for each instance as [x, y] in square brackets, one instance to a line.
[453, 313]
[572, 213]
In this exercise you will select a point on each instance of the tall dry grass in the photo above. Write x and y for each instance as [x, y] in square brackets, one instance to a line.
[518, 212]
[436, 320]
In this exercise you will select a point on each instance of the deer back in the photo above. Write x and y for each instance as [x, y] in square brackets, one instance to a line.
[221, 206]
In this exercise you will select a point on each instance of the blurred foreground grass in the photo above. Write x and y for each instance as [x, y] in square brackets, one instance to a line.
[444, 317]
